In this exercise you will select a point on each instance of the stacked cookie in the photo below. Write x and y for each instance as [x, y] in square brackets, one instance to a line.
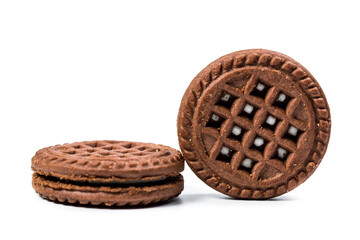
[111, 173]
[253, 124]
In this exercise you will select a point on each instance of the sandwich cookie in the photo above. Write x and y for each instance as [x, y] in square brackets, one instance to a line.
[110, 173]
[254, 124]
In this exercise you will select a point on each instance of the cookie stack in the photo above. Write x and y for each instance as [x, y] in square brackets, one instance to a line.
[253, 124]
[110, 173]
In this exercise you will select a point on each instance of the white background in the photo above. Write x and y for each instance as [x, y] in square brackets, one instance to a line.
[86, 70]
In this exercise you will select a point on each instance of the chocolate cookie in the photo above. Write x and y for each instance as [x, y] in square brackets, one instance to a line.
[111, 173]
[254, 124]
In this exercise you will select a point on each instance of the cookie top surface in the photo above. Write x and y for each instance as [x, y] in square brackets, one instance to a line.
[254, 124]
[118, 160]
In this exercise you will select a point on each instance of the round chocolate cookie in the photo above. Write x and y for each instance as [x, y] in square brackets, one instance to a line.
[254, 124]
[111, 173]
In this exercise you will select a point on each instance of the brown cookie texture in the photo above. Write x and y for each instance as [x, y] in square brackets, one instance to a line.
[108, 195]
[110, 173]
[254, 124]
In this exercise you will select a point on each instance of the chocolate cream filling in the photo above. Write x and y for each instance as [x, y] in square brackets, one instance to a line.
[113, 184]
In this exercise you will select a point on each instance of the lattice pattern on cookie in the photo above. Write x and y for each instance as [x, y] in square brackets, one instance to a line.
[112, 150]
[107, 155]
[269, 60]
[241, 139]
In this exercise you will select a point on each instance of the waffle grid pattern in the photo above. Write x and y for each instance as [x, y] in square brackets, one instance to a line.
[107, 155]
[238, 60]
[258, 146]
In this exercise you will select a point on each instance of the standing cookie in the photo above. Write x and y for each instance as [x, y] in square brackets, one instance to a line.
[254, 124]
[111, 173]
